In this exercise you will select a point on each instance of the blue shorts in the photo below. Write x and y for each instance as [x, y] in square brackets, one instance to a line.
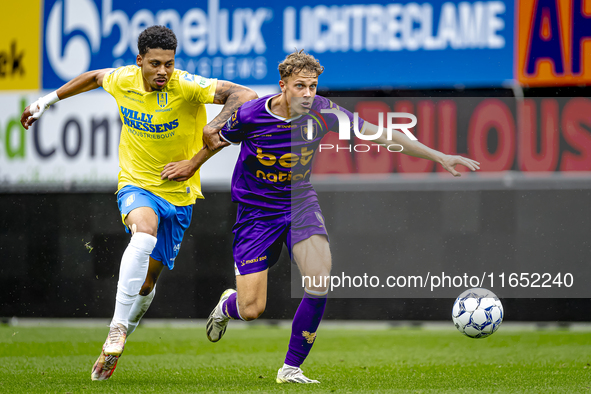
[259, 234]
[172, 221]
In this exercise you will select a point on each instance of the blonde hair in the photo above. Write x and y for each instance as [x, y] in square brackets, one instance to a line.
[299, 61]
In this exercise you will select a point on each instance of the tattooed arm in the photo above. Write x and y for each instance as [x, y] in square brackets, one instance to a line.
[232, 96]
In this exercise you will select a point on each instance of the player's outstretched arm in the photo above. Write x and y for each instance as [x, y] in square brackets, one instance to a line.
[232, 96]
[181, 171]
[416, 149]
[82, 83]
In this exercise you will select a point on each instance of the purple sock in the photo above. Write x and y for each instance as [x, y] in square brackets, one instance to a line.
[303, 330]
[230, 308]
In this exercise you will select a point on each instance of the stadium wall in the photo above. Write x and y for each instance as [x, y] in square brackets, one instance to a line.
[61, 251]
[60, 234]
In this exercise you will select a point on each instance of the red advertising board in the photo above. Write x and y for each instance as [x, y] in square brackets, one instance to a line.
[530, 135]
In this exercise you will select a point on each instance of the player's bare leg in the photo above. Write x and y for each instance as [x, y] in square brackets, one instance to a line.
[132, 275]
[314, 261]
[252, 294]
[247, 303]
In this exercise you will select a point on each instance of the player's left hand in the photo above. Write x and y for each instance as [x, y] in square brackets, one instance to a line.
[450, 162]
[178, 171]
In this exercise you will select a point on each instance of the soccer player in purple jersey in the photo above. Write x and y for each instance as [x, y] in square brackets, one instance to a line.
[277, 203]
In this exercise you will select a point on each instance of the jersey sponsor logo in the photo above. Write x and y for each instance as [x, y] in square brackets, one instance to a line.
[143, 122]
[154, 136]
[188, 77]
[287, 160]
[204, 82]
[282, 176]
[162, 99]
[130, 200]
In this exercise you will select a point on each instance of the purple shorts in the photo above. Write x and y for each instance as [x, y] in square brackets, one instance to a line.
[259, 234]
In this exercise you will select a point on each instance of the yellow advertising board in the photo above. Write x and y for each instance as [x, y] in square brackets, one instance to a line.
[20, 45]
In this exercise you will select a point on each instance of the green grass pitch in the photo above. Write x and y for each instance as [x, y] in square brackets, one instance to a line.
[181, 360]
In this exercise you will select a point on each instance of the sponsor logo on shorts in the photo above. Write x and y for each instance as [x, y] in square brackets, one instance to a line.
[244, 262]
[310, 337]
[130, 200]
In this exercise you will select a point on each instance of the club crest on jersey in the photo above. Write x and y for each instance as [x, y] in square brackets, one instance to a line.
[162, 99]
[309, 131]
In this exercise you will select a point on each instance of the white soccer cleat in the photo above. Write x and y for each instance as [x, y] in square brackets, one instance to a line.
[217, 322]
[292, 375]
[115, 342]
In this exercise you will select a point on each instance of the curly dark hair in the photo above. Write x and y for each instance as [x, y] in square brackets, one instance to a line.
[155, 37]
[298, 61]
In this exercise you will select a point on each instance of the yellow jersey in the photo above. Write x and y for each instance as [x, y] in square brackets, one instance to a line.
[160, 127]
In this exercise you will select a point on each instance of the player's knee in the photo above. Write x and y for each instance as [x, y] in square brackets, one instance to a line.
[147, 288]
[142, 228]
[252, 311]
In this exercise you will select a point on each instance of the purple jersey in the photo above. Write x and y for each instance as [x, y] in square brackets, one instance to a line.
[275, 161]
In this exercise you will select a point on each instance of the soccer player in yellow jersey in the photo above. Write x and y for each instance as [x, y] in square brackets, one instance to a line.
[163, 115]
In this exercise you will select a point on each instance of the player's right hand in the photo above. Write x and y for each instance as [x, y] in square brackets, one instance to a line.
[33, 112]
[211, 138]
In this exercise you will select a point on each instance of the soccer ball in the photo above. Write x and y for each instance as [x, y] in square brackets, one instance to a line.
[477, 313]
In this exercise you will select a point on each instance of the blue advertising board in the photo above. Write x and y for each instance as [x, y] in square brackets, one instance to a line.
[433, 43]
